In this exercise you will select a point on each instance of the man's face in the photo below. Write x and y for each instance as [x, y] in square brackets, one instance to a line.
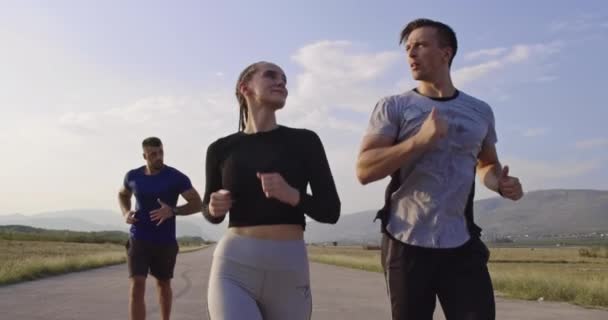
[427, 59]
[154, 157]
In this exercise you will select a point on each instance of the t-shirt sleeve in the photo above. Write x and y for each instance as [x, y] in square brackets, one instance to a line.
[125, 182]
[491, 133]
[384, 119]
[183, 183]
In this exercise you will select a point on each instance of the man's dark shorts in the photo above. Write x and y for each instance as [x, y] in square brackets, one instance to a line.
[158, 259]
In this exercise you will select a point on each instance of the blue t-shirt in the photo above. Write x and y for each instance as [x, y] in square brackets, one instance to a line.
[166, 185]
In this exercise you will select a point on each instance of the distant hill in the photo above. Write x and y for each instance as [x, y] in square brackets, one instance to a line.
[546, 212]
[354, 228]
[539, 213]
[27, 233]
[19, 232]
[78, 220]
[103, 220]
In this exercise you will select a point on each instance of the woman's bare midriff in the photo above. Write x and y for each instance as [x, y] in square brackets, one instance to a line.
[271, 232]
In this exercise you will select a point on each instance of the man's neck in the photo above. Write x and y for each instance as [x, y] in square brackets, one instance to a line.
[151, 171]
[437, 89]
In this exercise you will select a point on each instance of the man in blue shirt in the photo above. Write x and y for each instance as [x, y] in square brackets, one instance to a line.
[152, 243]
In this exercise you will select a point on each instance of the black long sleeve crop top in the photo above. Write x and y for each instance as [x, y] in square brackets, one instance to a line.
[232, 163]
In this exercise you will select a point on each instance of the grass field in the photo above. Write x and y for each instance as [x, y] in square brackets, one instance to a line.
[28, 260]
[557, 274]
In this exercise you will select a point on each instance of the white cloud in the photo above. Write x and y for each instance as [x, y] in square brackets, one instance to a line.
[205, 109]
[145, 111]
[483, 53]
[343, 61]
[336, 75]
[524, 52]
[535, 132]
[468, 74]
[517, 54]
[592, 143]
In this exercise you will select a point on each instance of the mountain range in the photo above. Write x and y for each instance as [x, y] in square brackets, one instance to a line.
[538, 213]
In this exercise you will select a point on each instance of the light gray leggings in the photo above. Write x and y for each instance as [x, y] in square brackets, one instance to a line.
[259, 279]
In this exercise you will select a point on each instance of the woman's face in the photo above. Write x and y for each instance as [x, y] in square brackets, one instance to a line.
[266, 88]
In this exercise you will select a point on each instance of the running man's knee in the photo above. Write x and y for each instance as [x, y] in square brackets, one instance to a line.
[163, 284]
[138, 286]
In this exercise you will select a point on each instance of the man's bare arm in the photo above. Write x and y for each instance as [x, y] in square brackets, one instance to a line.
[124, 200]
[494, 176]
[379, 158]
[193, 204]
[488, 167]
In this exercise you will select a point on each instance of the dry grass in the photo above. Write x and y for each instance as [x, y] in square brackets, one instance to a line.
[557, 274]
[29, 260]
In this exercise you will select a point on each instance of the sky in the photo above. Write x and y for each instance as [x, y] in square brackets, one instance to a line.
[83, 82]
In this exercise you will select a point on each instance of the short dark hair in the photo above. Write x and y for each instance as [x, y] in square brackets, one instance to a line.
[446, 36]
[151, 142]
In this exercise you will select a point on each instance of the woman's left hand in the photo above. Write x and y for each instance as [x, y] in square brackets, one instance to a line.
[274, 186]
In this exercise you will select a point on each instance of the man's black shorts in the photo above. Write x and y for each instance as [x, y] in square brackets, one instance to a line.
[158, 259]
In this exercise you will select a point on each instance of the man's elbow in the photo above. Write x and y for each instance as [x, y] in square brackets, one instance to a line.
[363, 175]
[365, 178]
[198, 203]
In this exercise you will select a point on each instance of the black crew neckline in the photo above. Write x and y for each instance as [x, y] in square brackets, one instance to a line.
[262, 133]
[454, 96]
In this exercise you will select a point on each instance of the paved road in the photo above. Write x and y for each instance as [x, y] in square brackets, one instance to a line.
[338, 293]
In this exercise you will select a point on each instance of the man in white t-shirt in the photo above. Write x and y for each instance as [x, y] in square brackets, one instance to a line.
[433, 140]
